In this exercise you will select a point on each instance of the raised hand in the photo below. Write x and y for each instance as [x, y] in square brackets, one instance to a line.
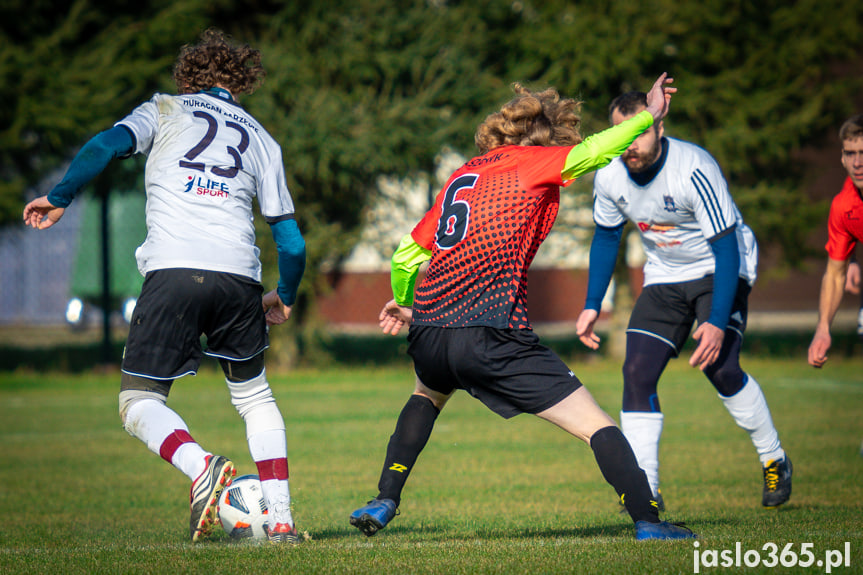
[659, 97]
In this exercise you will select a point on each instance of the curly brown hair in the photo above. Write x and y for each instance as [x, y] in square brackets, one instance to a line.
[216, 61]
[531, 119]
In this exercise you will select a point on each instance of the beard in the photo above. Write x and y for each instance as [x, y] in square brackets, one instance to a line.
[639, 161]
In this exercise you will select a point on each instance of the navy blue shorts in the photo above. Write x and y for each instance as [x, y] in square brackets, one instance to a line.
[506, 369]
[668, 311]
[178, 306]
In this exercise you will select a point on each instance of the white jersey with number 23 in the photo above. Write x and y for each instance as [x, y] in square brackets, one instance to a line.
[207, 159]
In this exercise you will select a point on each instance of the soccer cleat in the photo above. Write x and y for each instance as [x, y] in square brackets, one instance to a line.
[283, 534]
[374, 516]
[645, 530]
[777, 482]
[204, 496]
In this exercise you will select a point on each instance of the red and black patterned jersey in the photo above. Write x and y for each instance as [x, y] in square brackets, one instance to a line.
[484, 230]
[845, 223]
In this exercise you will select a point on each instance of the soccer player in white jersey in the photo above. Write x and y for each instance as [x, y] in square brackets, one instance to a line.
[207, 158]
[701, 264]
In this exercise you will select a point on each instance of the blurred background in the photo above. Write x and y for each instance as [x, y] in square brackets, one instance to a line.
[374, 103]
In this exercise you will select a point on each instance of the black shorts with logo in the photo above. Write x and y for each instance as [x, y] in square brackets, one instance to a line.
[177, 306]
[506, 369]
[668, 311]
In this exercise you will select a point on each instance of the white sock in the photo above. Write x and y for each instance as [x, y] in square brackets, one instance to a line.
[153, 422]
[268, 446]
[642, 430]
[277, 494]
[265, 432]
[749, 409]
[191, 459]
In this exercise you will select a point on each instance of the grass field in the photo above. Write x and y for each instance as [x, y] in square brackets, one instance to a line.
[78, 495]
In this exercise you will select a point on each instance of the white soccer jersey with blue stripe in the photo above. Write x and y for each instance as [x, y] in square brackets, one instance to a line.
[677, 213]
[207, 159]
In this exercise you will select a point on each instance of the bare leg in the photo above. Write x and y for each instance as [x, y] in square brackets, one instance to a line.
[578, 414]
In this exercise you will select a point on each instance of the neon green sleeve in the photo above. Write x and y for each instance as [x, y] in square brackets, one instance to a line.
[405, 267]
[600, 148]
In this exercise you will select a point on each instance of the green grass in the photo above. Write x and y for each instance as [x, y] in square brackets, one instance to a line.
[78, 495]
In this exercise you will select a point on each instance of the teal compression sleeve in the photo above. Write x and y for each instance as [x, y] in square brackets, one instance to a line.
[292, 258]
[94, 157]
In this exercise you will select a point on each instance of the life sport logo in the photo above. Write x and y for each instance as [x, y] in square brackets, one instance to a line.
[207, 187]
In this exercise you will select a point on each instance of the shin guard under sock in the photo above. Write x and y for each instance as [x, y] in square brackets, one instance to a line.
[413, 429]
[619, 468]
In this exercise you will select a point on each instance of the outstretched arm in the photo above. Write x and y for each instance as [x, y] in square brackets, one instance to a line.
[599, 149]
[832, 285]
[45, 211]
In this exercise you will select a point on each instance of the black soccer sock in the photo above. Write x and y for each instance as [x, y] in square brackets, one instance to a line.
[620, 468]
[413, 429]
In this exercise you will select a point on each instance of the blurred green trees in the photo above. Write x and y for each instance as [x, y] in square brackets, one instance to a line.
[364, 88]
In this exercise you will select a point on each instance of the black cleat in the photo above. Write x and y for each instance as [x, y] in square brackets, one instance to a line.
[777, 482]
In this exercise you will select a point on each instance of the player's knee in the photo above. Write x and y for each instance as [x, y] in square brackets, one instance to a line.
[240, 371]
[255, 395]
[130, 397]
[728, 378]
[632, 374]
[639, 387]
[134, 388]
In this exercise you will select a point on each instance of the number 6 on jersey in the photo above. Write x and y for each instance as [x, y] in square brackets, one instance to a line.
[455, 214]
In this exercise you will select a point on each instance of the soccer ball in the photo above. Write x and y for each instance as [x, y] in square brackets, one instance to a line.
[242, 509]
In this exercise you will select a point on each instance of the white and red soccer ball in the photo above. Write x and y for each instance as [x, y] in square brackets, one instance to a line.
[242, 509]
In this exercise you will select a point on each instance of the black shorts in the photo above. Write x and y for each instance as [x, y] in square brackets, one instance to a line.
[668, 311]
[177, 306]
[506, 369]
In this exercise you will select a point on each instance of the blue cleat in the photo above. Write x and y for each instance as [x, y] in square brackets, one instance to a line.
[374, 516]
[645, 530]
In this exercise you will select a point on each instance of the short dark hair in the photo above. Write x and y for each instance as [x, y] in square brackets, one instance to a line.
[628, 103]
[852, 128]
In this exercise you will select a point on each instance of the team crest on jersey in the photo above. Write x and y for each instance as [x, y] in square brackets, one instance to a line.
[206, 187]
[669, 203]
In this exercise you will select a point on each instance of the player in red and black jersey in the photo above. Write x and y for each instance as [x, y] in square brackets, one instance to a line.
[483, 232]
[470, 327]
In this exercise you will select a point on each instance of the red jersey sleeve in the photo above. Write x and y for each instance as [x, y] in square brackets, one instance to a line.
[543, 165]
[841, 238]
